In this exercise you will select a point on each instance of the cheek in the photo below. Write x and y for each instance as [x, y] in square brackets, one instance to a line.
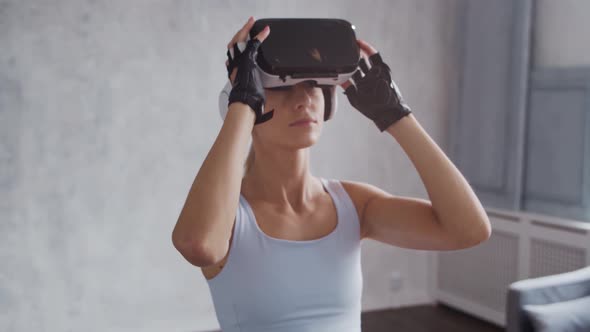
[321, 99]
[277, 99]
[272, 99]
[276, 102]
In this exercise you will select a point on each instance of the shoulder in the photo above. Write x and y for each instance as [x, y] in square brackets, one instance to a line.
[360, 193]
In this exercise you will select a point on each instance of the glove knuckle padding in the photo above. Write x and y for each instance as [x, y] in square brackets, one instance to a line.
[376, 95]
[247, 87]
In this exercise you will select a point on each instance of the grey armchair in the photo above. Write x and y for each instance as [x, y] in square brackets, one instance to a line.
[543, 290]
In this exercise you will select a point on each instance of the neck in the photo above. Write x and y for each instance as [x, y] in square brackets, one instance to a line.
[282, 178]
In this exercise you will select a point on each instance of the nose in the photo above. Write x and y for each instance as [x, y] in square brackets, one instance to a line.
[302, 92]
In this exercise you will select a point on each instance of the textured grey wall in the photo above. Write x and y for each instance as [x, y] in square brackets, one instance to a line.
[107, 110]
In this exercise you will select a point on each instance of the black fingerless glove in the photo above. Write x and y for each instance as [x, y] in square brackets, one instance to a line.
[247, 86]
[376, 95]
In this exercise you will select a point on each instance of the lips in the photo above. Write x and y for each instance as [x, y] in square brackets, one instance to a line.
[303, 121]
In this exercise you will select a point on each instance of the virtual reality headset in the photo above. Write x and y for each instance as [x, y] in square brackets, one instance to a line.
[301, 49]
[323, 51]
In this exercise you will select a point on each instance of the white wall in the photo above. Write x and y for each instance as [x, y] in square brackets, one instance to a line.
[108, 109]
[561, 35]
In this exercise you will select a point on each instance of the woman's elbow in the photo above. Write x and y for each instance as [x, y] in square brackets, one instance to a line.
[196, 253]
[480, 237]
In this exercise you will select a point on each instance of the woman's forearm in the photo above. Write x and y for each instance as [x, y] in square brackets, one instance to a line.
[204, 226]
[454, 203]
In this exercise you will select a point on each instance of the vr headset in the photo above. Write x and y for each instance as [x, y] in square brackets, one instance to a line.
[319, 50]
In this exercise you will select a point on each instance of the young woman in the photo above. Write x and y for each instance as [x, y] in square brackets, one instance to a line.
[279, 247]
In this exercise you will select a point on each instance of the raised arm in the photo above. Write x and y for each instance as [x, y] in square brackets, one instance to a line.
[204, 226]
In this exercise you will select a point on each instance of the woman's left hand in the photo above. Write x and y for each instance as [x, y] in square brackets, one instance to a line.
[366, 51]
[374, 93]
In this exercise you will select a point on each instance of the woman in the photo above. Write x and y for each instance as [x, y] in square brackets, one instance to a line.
[291, 240]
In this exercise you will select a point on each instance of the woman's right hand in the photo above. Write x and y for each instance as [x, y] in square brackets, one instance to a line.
[241, 67]
[241, 36]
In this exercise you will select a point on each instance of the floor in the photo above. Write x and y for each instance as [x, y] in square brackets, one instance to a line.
[424, 318]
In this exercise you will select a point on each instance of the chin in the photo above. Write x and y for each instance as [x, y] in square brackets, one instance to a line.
[305, 141]
[292, 139]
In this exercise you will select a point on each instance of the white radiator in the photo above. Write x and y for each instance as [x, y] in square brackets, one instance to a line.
[522, 245]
